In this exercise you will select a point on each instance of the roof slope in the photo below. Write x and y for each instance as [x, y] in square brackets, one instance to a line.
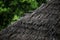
[42, 24]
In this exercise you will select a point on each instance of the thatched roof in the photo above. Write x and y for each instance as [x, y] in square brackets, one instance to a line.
[42, 24]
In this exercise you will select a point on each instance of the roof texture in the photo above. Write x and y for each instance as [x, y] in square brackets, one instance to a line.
[42, 24]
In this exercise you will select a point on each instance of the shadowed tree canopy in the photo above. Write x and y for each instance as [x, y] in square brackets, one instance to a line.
[42, 24]
[12, 10]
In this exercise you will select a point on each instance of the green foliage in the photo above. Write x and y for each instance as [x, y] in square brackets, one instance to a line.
[11, 10]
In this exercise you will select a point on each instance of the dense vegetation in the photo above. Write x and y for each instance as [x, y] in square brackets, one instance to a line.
[11, 10]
